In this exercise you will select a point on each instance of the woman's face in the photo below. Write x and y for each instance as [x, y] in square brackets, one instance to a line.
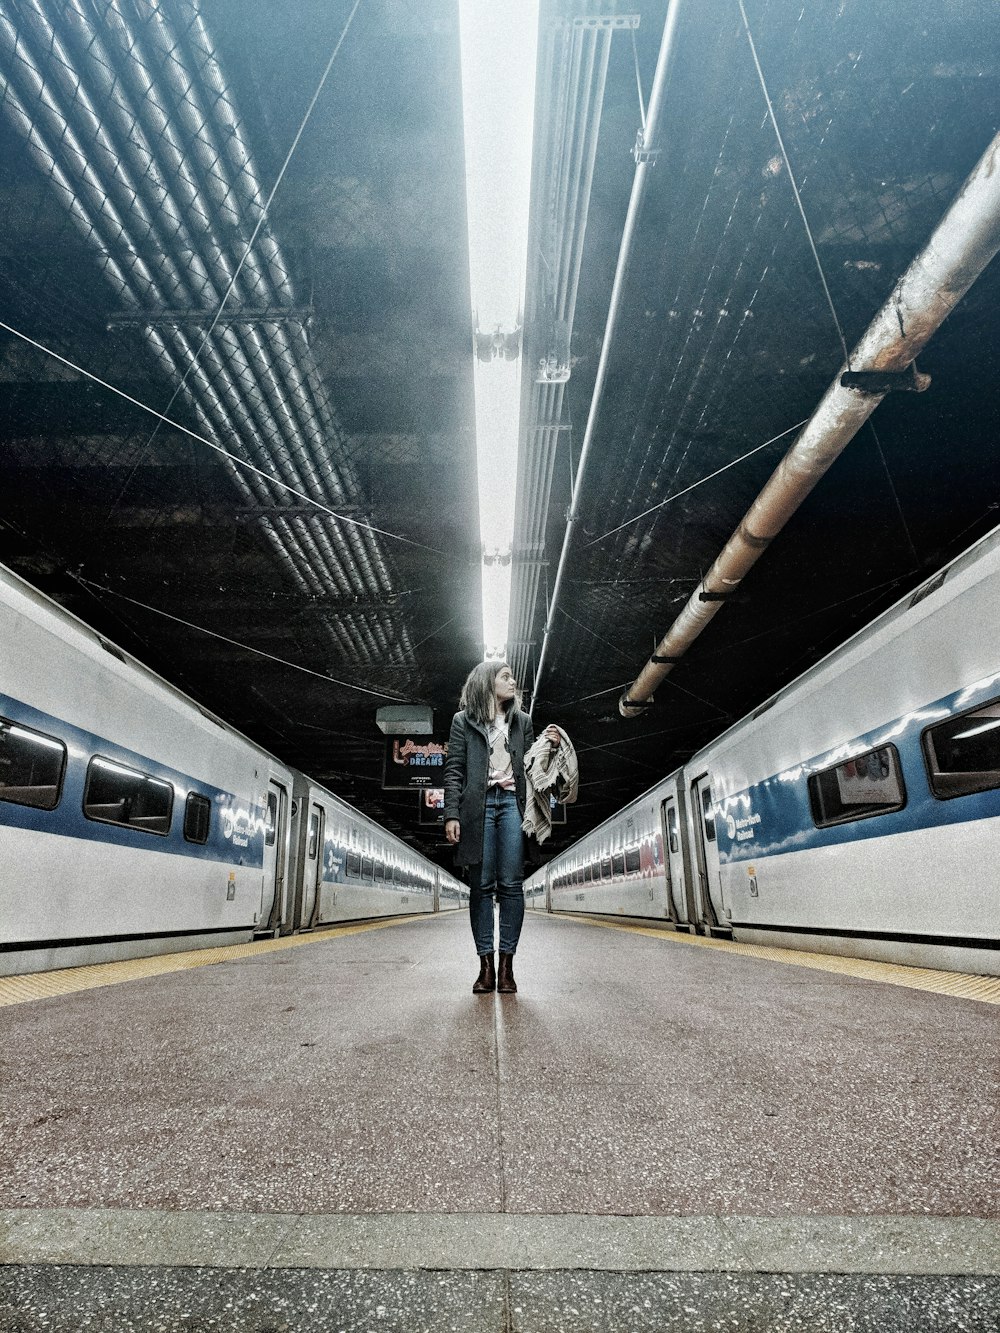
[505, 685]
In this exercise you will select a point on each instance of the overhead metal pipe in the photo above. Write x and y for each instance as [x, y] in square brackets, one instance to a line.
[278, 392]
[281, 384]
[964, 242]
[645, 152]
[566, 166]
[255, 490]
[235, 184]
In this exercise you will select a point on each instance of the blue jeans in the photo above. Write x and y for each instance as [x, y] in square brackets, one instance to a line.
[500, 872]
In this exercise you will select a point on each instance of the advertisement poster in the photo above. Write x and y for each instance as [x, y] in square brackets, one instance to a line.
[431, 801]
[412, 762]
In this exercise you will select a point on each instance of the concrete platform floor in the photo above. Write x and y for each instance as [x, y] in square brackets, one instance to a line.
[647, 1136]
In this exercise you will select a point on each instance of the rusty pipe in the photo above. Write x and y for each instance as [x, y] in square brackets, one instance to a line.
[964, 242]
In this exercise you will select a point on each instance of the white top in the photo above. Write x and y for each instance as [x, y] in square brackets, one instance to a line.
[501, 766]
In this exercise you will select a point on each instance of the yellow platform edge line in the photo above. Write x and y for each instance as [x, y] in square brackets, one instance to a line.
[959, 985]
[68, 980]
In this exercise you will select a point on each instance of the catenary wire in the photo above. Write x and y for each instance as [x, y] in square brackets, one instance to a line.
[253, 237]
[695, 484]
[795, 188]
[234, 458]
[244, 647]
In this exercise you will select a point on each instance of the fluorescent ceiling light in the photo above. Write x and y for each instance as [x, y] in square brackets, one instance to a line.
[496, 606]
[499, 46]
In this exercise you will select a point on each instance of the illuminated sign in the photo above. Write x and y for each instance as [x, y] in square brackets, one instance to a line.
[413, 762]
[431, 805]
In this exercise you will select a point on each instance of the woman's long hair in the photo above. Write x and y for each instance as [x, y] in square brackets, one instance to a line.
[479, 693]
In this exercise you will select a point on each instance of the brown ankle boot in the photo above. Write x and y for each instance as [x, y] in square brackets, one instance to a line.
[487, 979]
[506, 984]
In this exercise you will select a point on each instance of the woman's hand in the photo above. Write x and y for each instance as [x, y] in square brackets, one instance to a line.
[452, 831]
[551, 734]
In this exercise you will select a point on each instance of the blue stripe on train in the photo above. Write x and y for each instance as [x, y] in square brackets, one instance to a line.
[776, 812]
[234, 818]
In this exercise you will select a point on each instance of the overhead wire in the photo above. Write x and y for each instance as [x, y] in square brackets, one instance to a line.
[244, 647]
[250, 243]
[234, 458]
[794, 185]
[819, 265]
[695, 484]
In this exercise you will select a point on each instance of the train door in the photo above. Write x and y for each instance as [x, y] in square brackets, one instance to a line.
[712, 913]
[312, 874]
[674, 860]
[275, 855]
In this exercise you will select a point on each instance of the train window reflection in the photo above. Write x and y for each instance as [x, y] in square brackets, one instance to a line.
[197, 818]
[354, 864]
[709, 813]
[672, 835]
[368, 869]
[869, 784]
[31, 766]
[618, 863]
[118, 795]
[632, 860]
[271, 819]
[963, 754]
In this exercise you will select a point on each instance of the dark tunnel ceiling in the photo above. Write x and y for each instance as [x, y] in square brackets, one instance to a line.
[724, 341]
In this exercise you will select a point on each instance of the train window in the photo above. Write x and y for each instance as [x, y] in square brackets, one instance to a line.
[618, 863]
[931, 586]
[397, 874]
[709, 813]
[632, 860]
[869, 784]
[197, 817]
[367, 868]
[605, 872]
[963, 754]
[31, 766]
[380, 870]
[354, 864]
[672, 837]
[313, 847]
[588, 874]
[271, 819]
[115, 794]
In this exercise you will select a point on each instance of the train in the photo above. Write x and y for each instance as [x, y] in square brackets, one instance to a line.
[133, 821]
[854, 812]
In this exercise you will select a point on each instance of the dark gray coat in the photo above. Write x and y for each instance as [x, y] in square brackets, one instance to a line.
[466, 773]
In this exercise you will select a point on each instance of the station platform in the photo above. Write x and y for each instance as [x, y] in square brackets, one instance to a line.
[656, 1133]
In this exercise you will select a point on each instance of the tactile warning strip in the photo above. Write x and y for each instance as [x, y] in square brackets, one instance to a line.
[449, 1242]
[64, 981]
[962, 985]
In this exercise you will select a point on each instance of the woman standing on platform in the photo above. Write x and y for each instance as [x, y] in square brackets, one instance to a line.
[484, 800]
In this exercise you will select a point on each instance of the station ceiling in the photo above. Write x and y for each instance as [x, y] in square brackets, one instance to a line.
[297, 544]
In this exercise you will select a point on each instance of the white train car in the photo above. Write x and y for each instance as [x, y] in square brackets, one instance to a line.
[133, 821]
[452, 894]
[351, 868]
[857, 811]
[619, 867]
